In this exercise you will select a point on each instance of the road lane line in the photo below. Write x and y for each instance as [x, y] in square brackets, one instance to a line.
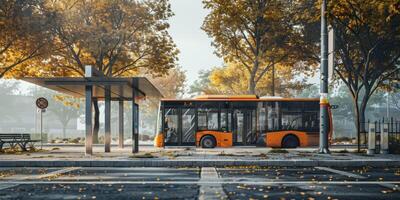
[8, 184]
[53, 174]
[210, 186]
[344, 173]
[4, 186]
[207, 182]
[352, 175]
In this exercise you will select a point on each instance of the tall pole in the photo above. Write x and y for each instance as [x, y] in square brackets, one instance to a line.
[41, 128]
[107, 119]
[324, 119]
[121, 124]
[273, 81]
[88, 113]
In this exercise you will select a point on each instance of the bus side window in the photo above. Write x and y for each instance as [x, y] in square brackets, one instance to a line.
[223, 120]
[226, 120]
[212, 119]
[202, 119]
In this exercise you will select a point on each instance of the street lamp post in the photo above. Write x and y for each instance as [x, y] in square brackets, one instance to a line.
[324, 122]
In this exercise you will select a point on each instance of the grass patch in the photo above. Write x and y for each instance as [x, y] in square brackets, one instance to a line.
[18, 151]
[146, 155]
[4, 174]
[362, 151]
[169, 154]
[261, 155]
[278, 151]
[226, 154]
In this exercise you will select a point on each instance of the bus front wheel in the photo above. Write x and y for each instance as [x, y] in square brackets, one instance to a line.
[208, 141]
[290, 141]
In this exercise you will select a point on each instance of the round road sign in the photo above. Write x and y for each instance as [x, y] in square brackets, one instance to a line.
[42, 103]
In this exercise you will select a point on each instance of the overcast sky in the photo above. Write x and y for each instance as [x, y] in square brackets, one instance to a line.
[196, 52]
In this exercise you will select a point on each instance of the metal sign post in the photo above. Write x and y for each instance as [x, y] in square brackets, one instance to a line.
[42, 104]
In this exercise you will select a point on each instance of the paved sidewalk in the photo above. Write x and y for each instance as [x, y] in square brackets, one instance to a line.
[73, 156]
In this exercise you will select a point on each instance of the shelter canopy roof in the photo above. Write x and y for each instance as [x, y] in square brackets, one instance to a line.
[121, 88]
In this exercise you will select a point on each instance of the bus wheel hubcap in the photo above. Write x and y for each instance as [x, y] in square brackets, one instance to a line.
[207, 143]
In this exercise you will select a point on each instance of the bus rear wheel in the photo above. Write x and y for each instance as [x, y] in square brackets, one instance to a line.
[290, 141]
[208, 141]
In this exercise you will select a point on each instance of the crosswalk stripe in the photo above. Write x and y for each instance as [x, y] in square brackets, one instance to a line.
[352, 175]
[210, 186]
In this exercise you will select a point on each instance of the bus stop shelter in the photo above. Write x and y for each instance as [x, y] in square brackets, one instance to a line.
[97, 86]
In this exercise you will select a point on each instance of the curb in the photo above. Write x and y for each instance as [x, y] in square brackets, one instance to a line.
[201, 163]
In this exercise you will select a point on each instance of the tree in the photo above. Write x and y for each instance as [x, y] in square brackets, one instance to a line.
[233, 79]
[311, 91]
[367, 38]
[172, 86]
[258, 34]
[23, 33]
[367, 45]
[202, 84]
[63, 107]
[117, 37]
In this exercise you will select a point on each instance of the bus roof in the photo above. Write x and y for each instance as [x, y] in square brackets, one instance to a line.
[226, 97]
[239, 98]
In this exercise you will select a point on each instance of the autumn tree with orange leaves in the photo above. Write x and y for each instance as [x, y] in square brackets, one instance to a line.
[120, 38]
[257, 34]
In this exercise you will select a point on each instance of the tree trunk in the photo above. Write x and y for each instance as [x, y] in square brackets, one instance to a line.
[273, 81]
[96, 126]
[64, 131]
[252, 86]
[252, 81]
[357, 119]
[362, 108]
[360, 118]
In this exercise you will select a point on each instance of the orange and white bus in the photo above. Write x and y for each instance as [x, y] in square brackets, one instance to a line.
[224, 121]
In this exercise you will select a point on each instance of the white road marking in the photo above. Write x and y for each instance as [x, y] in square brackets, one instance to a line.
[352, 175]
[55, 173]
[207, 182]
[4, 186]
[348, 174]
[8, 184]
[210, 186]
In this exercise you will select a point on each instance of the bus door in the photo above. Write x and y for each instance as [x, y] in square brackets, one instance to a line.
[188, 124]
[179, 125]
[244, 123]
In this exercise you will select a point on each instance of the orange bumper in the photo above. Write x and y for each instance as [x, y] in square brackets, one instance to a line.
[159, 140]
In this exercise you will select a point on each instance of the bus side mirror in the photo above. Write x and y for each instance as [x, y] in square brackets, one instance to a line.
[333, 107]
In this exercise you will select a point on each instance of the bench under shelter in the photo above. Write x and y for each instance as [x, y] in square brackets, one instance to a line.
[23, 140]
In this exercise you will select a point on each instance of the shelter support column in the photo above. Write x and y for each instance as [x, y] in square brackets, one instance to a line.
[107, 119]
[121, 124]
[88, 120]
[135, 123]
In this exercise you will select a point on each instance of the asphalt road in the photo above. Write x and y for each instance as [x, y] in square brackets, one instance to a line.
[200, 183]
